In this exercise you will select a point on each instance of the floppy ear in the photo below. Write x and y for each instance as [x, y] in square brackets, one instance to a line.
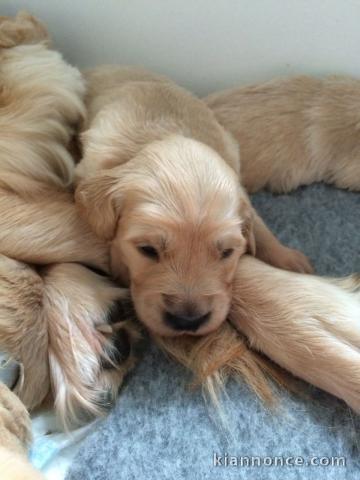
[100, 201]
[247, 226]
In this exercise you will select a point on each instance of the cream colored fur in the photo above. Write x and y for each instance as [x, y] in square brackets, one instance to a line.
[308, 325]
[143, 176]
[159, 171]
[15, 436]
[294, 131]
[50, 311]
[134, 159]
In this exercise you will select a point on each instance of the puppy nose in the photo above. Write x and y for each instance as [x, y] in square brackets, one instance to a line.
[189, 323]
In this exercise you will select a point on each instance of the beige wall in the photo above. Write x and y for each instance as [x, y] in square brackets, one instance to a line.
[206, 44]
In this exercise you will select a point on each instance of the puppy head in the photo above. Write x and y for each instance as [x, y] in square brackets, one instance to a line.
[178, 222]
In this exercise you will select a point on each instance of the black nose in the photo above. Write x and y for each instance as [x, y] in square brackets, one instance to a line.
[189, 323]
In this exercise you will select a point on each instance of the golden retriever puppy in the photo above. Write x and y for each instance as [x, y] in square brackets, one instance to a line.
[15, 435]
[294, 131]
[60, 321]
[159, 180]
[308, 325]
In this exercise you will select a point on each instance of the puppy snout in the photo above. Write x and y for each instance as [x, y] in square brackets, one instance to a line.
[186, 321]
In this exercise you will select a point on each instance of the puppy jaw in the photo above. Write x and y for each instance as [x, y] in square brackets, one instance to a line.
[179, 198]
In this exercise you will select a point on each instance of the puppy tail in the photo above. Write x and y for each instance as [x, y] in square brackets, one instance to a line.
[24, 29]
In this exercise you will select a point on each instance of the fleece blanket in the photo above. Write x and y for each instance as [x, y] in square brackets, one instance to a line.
[161, 429]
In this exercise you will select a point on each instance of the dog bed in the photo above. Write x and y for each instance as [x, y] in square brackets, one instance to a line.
[162, 429]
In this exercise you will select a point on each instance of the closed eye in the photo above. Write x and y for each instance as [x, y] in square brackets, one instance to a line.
[226, 253]
[148, 251]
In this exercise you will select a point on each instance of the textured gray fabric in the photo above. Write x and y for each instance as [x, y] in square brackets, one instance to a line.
[159, 429]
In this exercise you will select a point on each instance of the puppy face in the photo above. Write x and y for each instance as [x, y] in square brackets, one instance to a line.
[178, 223]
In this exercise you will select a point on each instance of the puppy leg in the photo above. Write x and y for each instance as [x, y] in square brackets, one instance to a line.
[15, 428]
[90, 340]
[68, 328]
[270, 250]
[47, 229]
[308, 325]
[23, 330]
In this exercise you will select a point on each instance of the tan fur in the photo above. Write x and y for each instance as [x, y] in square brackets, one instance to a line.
[223, 354]
[15, 435]
[41, 101]
[145, 181]
[50, 311]
[158, 170]
[308, 325]
[294, 131]
[140, 192]
[48, 323]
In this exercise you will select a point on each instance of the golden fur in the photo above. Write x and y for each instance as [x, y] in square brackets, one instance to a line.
[50, 311]
[294, 131]
[158, 171]
[308, 325]
[156, 179]
[15, 436]
[148, 177]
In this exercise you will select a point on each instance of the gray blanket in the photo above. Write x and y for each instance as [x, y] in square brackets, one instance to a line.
[162, 430]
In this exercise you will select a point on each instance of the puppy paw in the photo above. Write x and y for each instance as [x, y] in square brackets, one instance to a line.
[122, 336]
[291, 259]
[15, 425]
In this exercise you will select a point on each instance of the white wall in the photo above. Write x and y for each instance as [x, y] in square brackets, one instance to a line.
[206, 44]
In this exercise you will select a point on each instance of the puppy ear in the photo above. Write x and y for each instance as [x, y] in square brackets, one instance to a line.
[100, 203]
[247, 226]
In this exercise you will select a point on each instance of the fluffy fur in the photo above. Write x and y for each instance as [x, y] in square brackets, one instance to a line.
[308, 325]
[147, 185]
[58, 320]
[15, 435]
[41, 102]
[150, 178]
[159, 173]
[294, 131]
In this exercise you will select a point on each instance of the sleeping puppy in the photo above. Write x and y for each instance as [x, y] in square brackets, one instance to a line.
[57, 316]
[159, 180]
[308, 325]
[294, 131]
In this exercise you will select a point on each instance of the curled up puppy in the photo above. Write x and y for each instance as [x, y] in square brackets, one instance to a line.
[159, 180]
[59, 319]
